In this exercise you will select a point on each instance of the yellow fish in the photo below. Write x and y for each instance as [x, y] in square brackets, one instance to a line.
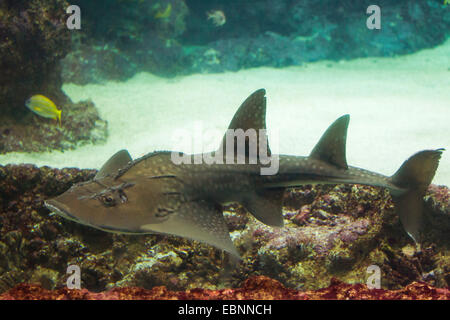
[165, 13]
[44, 107]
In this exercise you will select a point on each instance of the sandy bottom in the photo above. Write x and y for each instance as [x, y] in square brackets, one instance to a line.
[398, 106]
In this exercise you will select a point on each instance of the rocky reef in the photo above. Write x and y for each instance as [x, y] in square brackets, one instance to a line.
[34, 40]
[331, 232]
[254, 33]
[129, 36]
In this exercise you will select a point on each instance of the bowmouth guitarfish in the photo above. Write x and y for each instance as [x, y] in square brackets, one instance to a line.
[153, 194]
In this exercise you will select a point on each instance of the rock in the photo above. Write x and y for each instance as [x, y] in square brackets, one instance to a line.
[81, 124]
[34, 40]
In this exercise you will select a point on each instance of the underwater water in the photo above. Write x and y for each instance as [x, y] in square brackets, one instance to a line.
[397, 106]
[170, 75]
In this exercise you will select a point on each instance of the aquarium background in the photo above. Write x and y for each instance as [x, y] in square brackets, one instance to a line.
[141, 72]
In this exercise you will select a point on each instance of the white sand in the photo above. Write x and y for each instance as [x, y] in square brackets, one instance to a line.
[398, 106]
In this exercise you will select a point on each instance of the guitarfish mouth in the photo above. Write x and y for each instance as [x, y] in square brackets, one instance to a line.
[61, 210]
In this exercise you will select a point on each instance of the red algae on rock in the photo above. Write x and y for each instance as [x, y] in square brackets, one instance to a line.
[254, 288]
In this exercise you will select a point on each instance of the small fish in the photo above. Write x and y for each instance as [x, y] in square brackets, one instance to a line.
[44, 107]
[217, 16]
[164, 14]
